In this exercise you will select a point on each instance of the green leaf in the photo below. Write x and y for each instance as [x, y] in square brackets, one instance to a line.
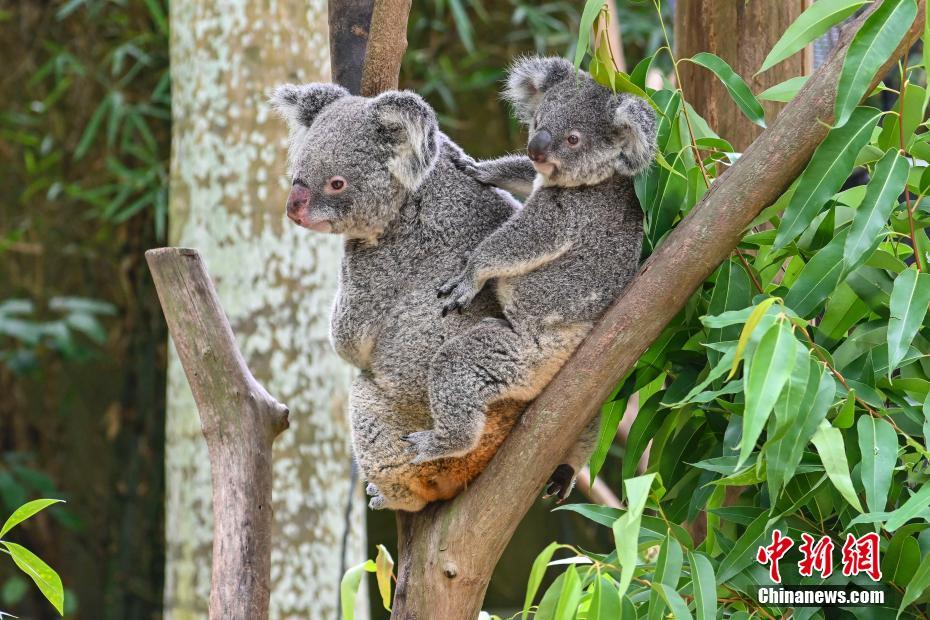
[878, 444]
[48, 580]
[819, 277]
[844, 419]
[626, 528]
[591, 10]
[743, 552]
[605, 600]
[829, 443]
[917, 585]
[771, 365]
[704, 586]
[611, 414]
[870, 47]
[784, 91]
[809, 25]
[536, 576]
[738, 89]
[642, 431]
[918, 505]
[25, 511]
[384, 565]
[881, 196]
[825, 174]
[751, 323]
[925, 427]
[668, 572]
[570, 595]
[908, 307]
[673, 600]
[783, 455]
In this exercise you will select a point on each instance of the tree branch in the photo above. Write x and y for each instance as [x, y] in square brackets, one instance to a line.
[387, 42]
[448, 551]
[349, 21]
[240, 421]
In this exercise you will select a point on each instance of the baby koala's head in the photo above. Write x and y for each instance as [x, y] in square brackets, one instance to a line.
[580, 132]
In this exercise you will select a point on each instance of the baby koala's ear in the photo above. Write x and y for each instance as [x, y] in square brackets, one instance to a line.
[529, 78]
[635, 123]
[411, 127]
[300, 104]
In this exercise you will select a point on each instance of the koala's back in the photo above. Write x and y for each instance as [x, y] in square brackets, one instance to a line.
[606, 227]
[396, 279]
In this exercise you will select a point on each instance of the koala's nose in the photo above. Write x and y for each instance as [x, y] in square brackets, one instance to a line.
[539, 145]
[298, 199]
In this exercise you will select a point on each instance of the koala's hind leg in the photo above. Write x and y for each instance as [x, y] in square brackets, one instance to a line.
[562, 480]
[380, 451]
[490, 362]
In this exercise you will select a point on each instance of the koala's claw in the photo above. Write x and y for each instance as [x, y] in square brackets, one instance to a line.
[460, 292]
[378, 502]
[479, 173]
[371, 490]
[560, 482]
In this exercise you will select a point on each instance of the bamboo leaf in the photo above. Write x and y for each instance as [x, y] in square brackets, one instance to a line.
[819, 277]
[769, 370]
[611, 414]
[673, 600]
[536, 576]
[605, 600]
[871, 46]
[668, 572]
[829, 443]
[591, 10]
[809, 25]
[917, 505]
[825, 174]
[738, 89]
[569, 597]
[908, 307]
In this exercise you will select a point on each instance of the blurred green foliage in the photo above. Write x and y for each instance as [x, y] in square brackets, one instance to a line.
[85, 143]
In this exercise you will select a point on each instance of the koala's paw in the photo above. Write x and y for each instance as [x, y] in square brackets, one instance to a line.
[378, 502]
[426, 446]
[460, 293]
[371, 490]
[480, 173]
[560, 482]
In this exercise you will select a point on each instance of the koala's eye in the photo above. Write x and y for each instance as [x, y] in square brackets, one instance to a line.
[573, 138]
[336, 185]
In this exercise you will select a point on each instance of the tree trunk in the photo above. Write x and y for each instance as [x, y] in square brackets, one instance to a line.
[240, 422]
[742, 33]
[276, 281]
[448, 551]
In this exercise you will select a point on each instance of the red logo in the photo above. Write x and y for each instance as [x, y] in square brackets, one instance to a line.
[859, 555]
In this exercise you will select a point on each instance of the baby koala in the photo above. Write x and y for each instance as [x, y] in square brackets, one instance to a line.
[557, 264]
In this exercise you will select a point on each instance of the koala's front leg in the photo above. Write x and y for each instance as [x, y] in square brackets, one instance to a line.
[562, 480]
[461, 290]
[514, 173]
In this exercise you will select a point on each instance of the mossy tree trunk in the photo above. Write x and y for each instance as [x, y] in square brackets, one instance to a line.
[276, 281]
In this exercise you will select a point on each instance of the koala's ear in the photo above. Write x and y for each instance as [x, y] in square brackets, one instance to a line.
[411, 127]
[635, 123]
[529, 78]
[300, 104]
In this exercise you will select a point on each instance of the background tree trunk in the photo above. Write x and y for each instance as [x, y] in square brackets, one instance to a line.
[742, 33]
[276, 282]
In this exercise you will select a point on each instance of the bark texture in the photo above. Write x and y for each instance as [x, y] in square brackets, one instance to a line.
[742, 33]
[349, 21]
[240, 422]
[387, 42]
[447, 552]
[228, 188]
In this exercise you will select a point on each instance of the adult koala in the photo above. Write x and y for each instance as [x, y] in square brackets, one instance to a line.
[379, 172]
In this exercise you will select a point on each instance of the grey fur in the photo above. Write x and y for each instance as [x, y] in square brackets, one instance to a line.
[408, 213]
[558, 263]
